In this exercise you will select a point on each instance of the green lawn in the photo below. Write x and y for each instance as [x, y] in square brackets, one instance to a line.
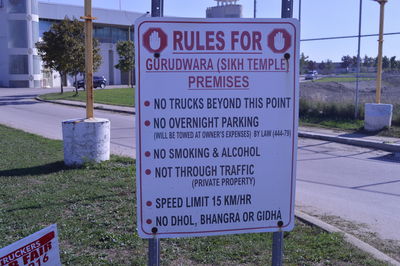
[119, 96]
[341, 79]
[94, 209]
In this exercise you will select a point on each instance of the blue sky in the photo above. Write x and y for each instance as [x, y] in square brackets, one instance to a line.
[319, 18]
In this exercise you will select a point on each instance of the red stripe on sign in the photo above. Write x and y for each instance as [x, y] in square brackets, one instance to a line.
[12, 256]
[46, 238]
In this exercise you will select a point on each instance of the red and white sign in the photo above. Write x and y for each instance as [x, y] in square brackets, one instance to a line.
[155, 40]
[40, 248]
[216, 125]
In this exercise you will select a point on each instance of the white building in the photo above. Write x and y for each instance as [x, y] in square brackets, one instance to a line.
[22, 23]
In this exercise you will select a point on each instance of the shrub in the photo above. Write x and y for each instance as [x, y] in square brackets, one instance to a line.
[343, 111]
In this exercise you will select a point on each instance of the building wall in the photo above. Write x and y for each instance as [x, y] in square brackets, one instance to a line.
[3, 46]
[19, 31]
[225, 11]
[20, 65]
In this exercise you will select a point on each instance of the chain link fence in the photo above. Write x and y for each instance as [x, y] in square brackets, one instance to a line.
[334, 80]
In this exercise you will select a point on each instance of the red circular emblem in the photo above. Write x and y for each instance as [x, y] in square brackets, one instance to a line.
[155, 40]
[279, 41]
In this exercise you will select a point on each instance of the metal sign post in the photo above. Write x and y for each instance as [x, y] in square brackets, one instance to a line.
[287, 9]
[277, 237]
[277, 248]
[157, 7]
[154, 251]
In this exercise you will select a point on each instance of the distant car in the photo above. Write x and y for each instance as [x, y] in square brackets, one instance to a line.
[311, 75]
[97, 82]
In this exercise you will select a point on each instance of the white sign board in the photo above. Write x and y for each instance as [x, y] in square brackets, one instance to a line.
[40, 248]
[216, 125]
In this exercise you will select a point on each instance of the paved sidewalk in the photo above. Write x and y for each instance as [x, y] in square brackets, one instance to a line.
[358, 139]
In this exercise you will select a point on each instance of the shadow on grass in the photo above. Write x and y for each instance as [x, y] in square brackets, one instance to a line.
[360, 133]
[36, 170]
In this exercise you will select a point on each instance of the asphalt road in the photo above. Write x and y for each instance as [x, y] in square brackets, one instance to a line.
[19, 109]
[357, 184]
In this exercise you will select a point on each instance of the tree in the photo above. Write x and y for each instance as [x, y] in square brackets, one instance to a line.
[126, 55]
[347, 61]
[77, 65]
[303, 62]
[63, 49]
[354, 61]
[329, 66]
[322, 65]
[385, 62]
[393, 63]
[368, 61]
[311, 65]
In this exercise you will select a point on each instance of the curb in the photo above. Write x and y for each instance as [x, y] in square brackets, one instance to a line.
[395, 148]
[351, 141]
[82, 105]
[347, 237]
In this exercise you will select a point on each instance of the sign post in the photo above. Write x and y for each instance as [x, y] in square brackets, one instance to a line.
[216, 126]
[157, 10]
[277, 237]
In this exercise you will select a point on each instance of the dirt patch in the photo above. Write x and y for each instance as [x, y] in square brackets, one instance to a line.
[361, 231]
[343, 92]
[387, 246]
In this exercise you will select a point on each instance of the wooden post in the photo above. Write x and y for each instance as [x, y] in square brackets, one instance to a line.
[89, 58]
[380, 46]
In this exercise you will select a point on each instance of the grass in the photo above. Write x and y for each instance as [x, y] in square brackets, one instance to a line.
[119, 96]
[341, 79]
[340, 116]
[349, 125]
[389, 247]
[343, 124]
[329, 115]
[94, 209]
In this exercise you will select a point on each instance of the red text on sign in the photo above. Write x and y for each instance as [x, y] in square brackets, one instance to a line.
[216, 40]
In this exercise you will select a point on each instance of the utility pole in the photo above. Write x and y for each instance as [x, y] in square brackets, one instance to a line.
[89, 58]
[358, 63]
[380, 47]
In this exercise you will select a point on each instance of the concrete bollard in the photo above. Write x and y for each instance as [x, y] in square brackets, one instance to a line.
[377, 116]
[86, 140]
